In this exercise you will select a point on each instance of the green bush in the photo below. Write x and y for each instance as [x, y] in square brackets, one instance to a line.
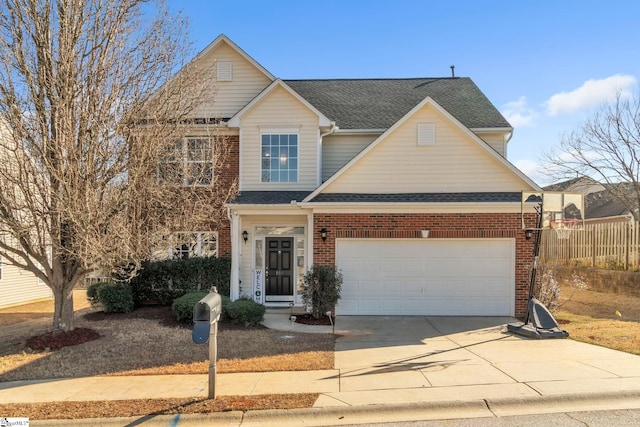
[182, 307]
[245, 312]
[226, 302]
[321, 289]
[115, 297]
[92, 293]
[164, 281]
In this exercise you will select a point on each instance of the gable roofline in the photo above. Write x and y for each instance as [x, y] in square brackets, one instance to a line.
[235, 120]
[427, 101]
[223, 38]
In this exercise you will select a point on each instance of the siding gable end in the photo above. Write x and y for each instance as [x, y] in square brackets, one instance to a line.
[457, 161]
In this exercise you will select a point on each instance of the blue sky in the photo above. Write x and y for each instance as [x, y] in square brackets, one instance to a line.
[546, 65]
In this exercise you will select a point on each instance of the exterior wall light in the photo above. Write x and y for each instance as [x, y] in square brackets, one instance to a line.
[323, 234]
[528, 234]
[245, 236]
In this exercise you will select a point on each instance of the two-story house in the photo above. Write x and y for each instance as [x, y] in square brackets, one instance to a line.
[403, 184]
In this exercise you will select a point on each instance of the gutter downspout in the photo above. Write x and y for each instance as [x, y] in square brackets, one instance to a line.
[333, 129]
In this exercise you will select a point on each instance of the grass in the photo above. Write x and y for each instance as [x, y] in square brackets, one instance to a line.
[606, 319]
[150, 342]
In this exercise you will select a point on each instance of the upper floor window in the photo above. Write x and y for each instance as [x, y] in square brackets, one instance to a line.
[193, 244]
[190, 161]
[279, 157]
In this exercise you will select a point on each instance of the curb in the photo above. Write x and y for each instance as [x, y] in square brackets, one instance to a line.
[420, 411]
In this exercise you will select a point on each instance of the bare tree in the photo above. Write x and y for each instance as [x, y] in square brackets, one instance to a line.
[89, 107]
[606, 148]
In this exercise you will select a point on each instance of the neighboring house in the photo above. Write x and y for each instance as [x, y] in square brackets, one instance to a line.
[601, 205]
[18, 286]
[401, 183]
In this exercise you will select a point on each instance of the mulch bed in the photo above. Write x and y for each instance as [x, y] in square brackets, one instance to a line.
[308, 319]
[56, 340]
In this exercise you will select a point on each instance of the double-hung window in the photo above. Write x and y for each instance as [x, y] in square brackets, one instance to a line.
[279, 158]
[190, 161]
[193, 244]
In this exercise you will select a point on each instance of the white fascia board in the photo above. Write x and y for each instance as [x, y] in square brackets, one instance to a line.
[413, 208]
[294, 209]
[491, 130]
[456, 122]
[223, 38]
[323, 121]
[360, 131]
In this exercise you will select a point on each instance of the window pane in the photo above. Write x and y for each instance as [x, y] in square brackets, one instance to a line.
[293, 151]
[293, 176]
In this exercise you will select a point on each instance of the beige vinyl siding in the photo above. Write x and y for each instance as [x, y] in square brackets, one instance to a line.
[497, 141]
[337, 150]
[279, 110]
[19, 287]
[455, 163]
[231, 96]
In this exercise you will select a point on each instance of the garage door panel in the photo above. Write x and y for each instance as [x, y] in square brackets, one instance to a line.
[429, 277]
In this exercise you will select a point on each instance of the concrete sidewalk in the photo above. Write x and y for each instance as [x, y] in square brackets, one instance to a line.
[394, 369]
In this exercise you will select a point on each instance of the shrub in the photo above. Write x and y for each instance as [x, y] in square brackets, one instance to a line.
[182, 307]
[115, 297]
[321, 289]
[226, 302]
[245, 312]
[164, 281]
[92, 293]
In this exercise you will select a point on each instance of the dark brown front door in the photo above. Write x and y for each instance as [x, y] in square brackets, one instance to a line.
[279, 269]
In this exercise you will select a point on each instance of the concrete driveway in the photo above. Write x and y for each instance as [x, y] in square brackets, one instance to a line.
[396, 359]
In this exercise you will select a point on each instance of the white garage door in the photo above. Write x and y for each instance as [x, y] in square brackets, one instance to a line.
[472, 277]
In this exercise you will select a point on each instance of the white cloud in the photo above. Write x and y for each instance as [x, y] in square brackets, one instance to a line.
[518, 113]
[591, 93]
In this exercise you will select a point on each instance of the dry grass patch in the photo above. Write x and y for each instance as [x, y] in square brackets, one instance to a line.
[605, 319]
[150, 342]
[144, 407]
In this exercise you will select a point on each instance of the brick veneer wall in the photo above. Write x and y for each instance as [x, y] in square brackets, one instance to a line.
[226, 176]
[481, 225]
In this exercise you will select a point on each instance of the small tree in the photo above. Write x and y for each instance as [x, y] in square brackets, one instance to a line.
[321, 289]
[93, 159]
[607, 148]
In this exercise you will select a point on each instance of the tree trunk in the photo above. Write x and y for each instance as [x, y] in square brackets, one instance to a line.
[63, 308]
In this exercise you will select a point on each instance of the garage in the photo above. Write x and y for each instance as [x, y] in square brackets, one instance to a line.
[448, 277]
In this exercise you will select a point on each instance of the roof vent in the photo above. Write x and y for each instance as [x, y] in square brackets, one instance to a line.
[453, 73]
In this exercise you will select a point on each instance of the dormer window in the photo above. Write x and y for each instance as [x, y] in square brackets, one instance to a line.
[224, 71]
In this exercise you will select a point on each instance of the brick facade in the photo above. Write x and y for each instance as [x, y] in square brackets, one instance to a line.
[451, 225]
[228, 150]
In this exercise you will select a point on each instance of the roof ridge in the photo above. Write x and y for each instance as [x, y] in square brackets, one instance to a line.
[375, 79]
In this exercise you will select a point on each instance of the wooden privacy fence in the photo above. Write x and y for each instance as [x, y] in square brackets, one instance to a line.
[612, 246]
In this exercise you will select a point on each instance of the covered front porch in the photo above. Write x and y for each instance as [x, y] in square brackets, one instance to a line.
[271, 251]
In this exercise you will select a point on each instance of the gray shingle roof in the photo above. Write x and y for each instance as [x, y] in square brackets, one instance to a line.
[269, 197]
[379, 103]
[285, 197]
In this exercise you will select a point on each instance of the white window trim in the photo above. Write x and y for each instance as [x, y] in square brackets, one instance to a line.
[214, 234]
[426, 134]
[280, 131]
[184, 160]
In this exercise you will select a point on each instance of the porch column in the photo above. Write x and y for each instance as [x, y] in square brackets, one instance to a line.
[235, 256]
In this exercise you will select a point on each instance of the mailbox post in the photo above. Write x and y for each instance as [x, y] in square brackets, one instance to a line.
[206, 314]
